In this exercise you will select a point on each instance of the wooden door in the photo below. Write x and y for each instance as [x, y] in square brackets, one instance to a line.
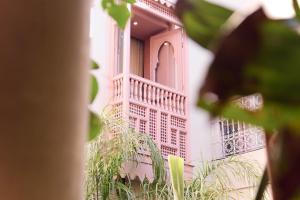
[166, 58]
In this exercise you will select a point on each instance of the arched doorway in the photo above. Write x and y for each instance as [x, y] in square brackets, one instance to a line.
[165, 69]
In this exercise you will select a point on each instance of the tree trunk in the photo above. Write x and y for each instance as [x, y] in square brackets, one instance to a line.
[44, 97]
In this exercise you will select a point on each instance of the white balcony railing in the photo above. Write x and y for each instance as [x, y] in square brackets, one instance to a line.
[118, 87]
[155, 94]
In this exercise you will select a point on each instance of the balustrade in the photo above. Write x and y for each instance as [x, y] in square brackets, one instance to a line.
[152, 93]
[154, 109]
[117, 88]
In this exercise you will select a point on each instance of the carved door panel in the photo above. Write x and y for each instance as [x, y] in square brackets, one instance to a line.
[166, 58]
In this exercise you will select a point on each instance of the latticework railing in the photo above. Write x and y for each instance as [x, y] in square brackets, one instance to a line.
[156, 110]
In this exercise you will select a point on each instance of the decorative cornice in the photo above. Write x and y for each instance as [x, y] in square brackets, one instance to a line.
[162, 8]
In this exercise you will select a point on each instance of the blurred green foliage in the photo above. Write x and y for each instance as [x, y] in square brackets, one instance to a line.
[118, 10]
[94, 88]
[95, 125]
[95, 121]
[273, 71]
[202, 20]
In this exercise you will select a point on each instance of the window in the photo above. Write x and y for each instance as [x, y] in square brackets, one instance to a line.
[239, 137]
[137, 57]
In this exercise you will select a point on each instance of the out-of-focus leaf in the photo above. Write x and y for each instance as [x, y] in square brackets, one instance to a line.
[296, 8]
[130, 1]
[176, 165]
[95, 125]
[94, 88]
[202, 20]
[118, 11]
[120, 14]
[226, 77]
[259, 118]
[276, 68]
[94, 65]
[276, 74]
[259, 56]
[106, 3]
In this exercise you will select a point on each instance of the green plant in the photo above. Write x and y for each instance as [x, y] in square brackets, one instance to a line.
[176, 166]
[216, 179]
[107, 154]
[118, 10]
[95, 121]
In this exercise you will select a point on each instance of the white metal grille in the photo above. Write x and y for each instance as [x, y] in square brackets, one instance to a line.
[239, 137]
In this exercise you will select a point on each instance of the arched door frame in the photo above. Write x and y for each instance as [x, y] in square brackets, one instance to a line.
[171, 78]
[174, 37]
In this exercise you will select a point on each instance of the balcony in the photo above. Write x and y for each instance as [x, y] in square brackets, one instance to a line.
[156, 110]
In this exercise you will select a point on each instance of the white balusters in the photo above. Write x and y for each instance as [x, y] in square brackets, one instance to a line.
[145, 93]
[174, 102]
[153, 96]
[162, 98]
[117, 89]
[135, 91]
[158, 97]
[131, 88]
[166, 99]
[169, 101]
[151, 93]
[177, 103]
[140, 91]
[181, 108]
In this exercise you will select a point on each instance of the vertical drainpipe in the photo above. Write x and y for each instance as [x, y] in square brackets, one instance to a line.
[44, 97]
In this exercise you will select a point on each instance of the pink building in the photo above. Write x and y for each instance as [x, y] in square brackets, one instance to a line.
[151, 73]
[147, 79]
